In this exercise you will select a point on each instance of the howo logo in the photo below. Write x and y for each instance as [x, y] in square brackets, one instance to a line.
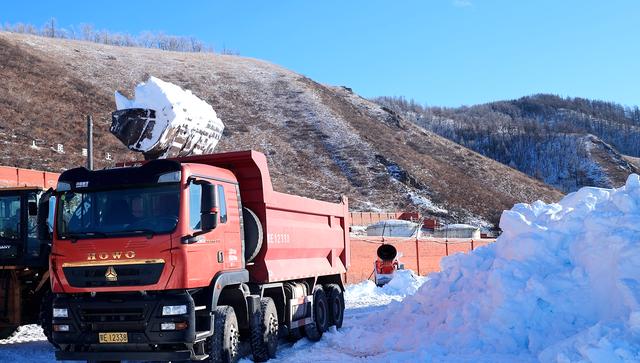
[95, 256]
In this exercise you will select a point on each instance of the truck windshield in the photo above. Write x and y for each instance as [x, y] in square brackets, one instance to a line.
[10, 217]
[120, 212]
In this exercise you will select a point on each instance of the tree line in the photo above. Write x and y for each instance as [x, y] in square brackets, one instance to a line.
[544, 136]
[87, 32]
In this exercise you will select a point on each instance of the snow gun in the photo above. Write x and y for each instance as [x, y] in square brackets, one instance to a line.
[386, 264]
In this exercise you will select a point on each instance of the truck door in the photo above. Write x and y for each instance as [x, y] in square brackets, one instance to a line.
[229, 224]
[205, 251]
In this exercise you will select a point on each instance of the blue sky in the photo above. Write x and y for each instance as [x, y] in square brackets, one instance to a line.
[438, 52]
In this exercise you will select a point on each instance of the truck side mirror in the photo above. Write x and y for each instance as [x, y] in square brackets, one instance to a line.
[43, 215]
[33, 208]
[208, 207]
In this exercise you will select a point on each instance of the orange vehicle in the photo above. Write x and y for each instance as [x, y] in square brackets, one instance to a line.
[386, 264]
[182, 259]
[24, 254]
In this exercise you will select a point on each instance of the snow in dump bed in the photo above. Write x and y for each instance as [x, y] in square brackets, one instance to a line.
[182, 119]
[561, 284]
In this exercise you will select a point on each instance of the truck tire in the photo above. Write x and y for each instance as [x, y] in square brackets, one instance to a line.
[335, 298]
[224, 344]
[264, 333]
[252, 234]
[320, 323]
[45, 316]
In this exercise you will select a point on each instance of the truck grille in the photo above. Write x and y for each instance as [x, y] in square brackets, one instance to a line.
[125, 275]
[113, 319]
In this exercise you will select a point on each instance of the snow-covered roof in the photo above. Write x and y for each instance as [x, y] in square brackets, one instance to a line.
[460, 226]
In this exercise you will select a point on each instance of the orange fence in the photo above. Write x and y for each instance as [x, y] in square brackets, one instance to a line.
[422, 256]
[366, 218]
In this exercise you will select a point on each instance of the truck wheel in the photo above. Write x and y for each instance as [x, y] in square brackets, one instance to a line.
[320, 323]
[264, 334]
[224, 344]
[45, 317]
[335, 297]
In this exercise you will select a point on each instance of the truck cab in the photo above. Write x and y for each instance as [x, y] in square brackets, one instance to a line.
[24, 257]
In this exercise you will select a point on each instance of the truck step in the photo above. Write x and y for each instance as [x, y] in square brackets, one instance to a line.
[202, 335]
[201, 357]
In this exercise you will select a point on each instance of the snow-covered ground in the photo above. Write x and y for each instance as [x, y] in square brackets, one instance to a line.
[29, 344]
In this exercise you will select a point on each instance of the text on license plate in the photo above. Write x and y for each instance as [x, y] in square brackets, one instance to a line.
[113, 337]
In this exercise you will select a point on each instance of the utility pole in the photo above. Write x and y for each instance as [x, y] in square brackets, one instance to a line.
[89, 142]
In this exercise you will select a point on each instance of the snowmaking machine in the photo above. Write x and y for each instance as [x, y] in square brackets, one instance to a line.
[386, 264]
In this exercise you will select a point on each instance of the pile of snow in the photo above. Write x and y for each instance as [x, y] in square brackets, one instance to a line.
[561, 284]
[183, 125]
[367, 294]
[25, 333]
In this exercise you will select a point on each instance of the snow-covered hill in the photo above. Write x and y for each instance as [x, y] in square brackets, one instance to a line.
[565, 142]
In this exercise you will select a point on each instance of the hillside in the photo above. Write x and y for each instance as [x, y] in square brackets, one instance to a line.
[321, 141]
[565, 142]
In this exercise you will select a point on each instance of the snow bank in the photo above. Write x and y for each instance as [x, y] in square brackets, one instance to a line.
[561, 284]
[366, 293]
[25, 333]
[184, 124]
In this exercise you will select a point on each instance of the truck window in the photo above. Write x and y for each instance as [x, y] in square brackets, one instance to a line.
[118, 212]
[10, 217]
[195, 195]
[52, 210]
[33, 243]
[222, 204]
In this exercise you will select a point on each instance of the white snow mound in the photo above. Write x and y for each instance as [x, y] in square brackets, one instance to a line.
[367, 294]
[561, 284]
[183, 121]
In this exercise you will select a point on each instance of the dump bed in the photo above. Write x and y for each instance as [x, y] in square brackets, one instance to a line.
[11, 177]
[302, 237]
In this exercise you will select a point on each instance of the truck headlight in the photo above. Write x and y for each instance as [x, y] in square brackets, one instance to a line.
[174, 310]
[60, 313]
[182, 325]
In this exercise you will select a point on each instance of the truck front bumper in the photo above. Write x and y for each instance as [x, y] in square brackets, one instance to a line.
[137, 315]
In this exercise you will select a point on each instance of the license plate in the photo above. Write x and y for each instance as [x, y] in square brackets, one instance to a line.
[113, 338]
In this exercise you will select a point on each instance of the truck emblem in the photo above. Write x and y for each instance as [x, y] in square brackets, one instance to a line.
[93, 256]
[111, 274]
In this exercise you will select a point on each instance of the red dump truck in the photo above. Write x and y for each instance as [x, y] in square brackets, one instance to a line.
[24, 255]
[183, 259]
